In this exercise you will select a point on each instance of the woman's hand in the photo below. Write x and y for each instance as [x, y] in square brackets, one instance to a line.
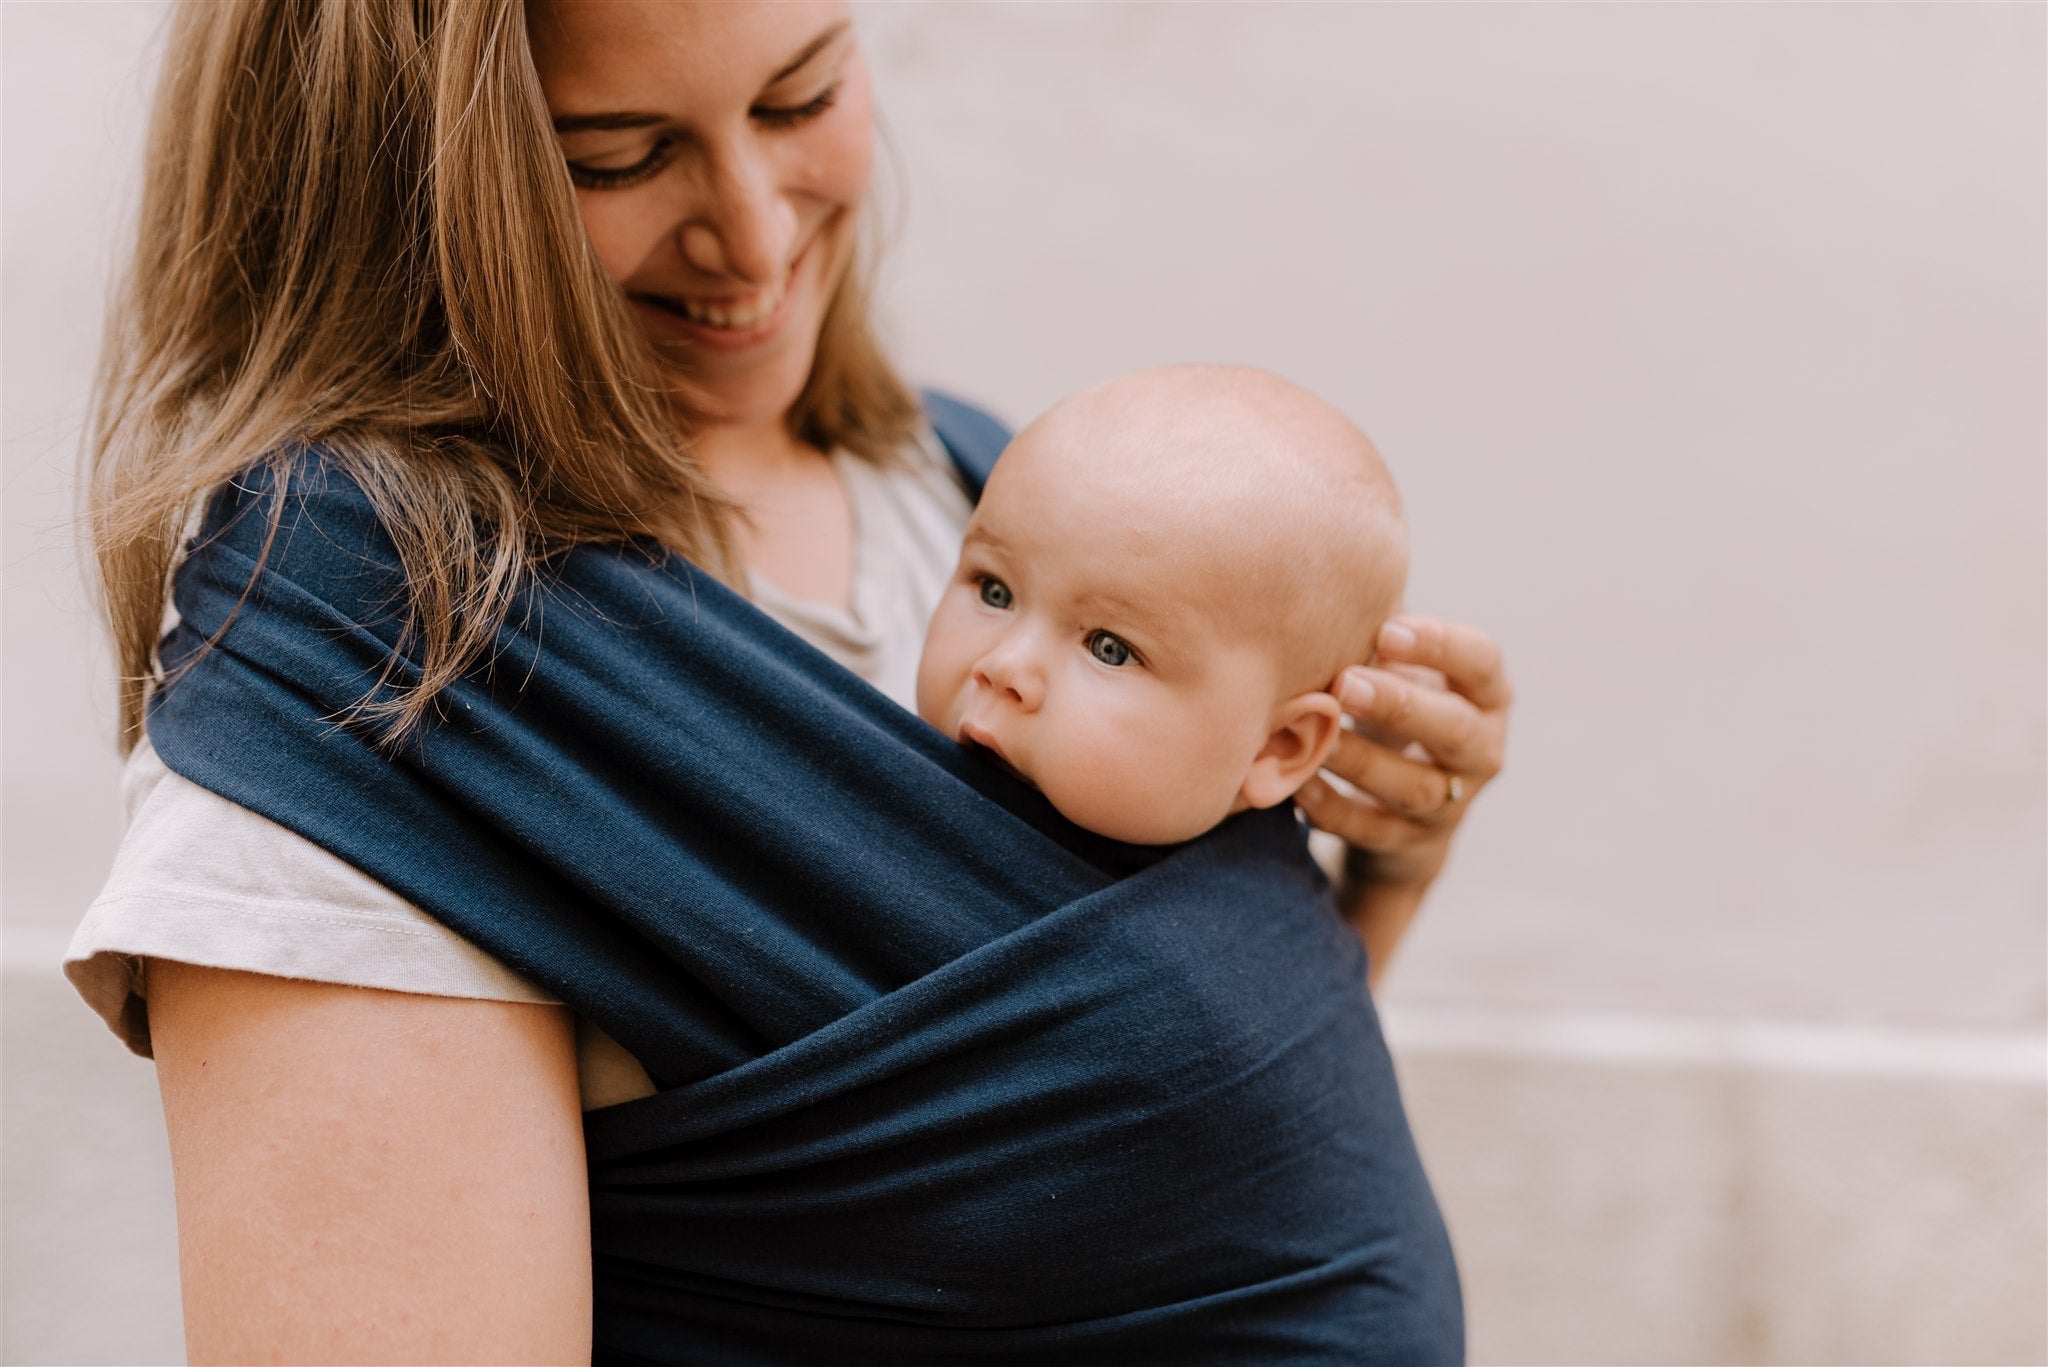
[1431, 723]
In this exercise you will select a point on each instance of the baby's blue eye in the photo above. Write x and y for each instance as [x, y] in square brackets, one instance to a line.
[1108, 649]
[995, 592]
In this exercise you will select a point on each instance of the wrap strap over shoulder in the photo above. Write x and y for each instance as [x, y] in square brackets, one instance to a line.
[940, 1076]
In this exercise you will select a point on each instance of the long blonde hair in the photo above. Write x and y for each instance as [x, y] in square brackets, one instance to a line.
[357, 229]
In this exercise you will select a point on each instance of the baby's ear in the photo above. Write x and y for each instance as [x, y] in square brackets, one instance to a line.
[1305, 729]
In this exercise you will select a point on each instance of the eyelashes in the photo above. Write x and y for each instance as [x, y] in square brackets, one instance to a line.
[594, 179]
[591, 178]
[801, 114]
[773, 118]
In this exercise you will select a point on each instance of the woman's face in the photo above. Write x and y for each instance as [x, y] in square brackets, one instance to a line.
[719, 153]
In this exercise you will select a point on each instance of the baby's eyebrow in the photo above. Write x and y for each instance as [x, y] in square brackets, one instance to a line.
[1110, 600]
[979, 535]
[1160, 623]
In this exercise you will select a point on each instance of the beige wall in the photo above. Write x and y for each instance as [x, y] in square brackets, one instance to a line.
[1707, 343]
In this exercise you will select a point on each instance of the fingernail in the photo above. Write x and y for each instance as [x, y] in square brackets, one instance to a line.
[1394, 636]
[1358, 691]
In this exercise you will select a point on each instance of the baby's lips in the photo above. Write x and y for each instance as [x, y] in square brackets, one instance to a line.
[980, 741]
[971, 734]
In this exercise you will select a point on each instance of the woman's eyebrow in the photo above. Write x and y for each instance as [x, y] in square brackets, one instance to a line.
[590, 123]
[810, 50]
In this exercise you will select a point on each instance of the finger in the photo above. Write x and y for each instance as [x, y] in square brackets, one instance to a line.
[1358, 822]
[1420, 675]
[1467, 657]
[1397, 712]
[1419, 791]
[1416, 674]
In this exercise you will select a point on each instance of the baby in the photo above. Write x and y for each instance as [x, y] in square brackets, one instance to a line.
[1164, 578]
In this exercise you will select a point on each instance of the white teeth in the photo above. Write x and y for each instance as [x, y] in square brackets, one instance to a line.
[734, 317]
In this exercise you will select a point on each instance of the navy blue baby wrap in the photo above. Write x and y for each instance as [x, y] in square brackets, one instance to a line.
[942, 1077]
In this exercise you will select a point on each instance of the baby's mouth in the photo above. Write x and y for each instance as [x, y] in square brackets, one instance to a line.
[982, 745]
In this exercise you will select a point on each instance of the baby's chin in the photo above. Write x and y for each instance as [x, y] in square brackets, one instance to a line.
[1132, 822]
[1138, 818]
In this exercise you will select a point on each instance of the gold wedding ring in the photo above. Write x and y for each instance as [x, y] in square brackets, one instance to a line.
[1454, 793]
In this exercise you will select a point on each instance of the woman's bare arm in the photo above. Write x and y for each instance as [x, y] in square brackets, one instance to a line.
[368, 1176]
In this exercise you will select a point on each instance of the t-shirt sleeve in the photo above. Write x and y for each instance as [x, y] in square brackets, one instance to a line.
[202, 880]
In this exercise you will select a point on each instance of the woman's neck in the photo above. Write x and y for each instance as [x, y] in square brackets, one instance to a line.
[748, 461]
[795, 527]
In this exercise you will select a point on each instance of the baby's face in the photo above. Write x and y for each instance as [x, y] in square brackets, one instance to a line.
[1100, 652]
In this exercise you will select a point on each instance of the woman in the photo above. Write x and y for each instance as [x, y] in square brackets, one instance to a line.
[358, 230]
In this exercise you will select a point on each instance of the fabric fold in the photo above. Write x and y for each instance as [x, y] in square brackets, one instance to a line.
[941, 1075]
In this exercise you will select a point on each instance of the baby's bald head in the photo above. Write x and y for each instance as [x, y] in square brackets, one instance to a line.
[1283, 509]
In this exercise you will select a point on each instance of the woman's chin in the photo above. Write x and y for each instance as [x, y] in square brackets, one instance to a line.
[746, 400]
[726, 381]
[746, 388]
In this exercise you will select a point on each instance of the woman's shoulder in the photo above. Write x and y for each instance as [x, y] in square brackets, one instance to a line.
[203, 880]
[300, 514]
[971, 436]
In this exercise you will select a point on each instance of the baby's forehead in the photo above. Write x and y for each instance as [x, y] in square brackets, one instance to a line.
[1236, 491]
[1218, 442]
[1173, 426]
[1255, 495]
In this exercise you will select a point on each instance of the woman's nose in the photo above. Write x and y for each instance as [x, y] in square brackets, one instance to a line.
[746, 226]
[1012, 671]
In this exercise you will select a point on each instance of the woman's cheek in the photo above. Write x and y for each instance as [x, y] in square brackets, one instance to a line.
[841, 159]
[620, 231]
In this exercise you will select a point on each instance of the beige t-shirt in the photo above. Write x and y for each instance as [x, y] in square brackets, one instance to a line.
[267, 900]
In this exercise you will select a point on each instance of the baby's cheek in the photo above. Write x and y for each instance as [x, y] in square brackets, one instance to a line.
[1199, 769]
[1127, 776]
[938, 671]
[927, 689]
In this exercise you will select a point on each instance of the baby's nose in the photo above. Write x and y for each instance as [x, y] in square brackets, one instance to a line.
[1011, 671]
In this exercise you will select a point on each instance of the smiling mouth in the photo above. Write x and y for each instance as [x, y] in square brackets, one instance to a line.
[726, 315]
[733, 313]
